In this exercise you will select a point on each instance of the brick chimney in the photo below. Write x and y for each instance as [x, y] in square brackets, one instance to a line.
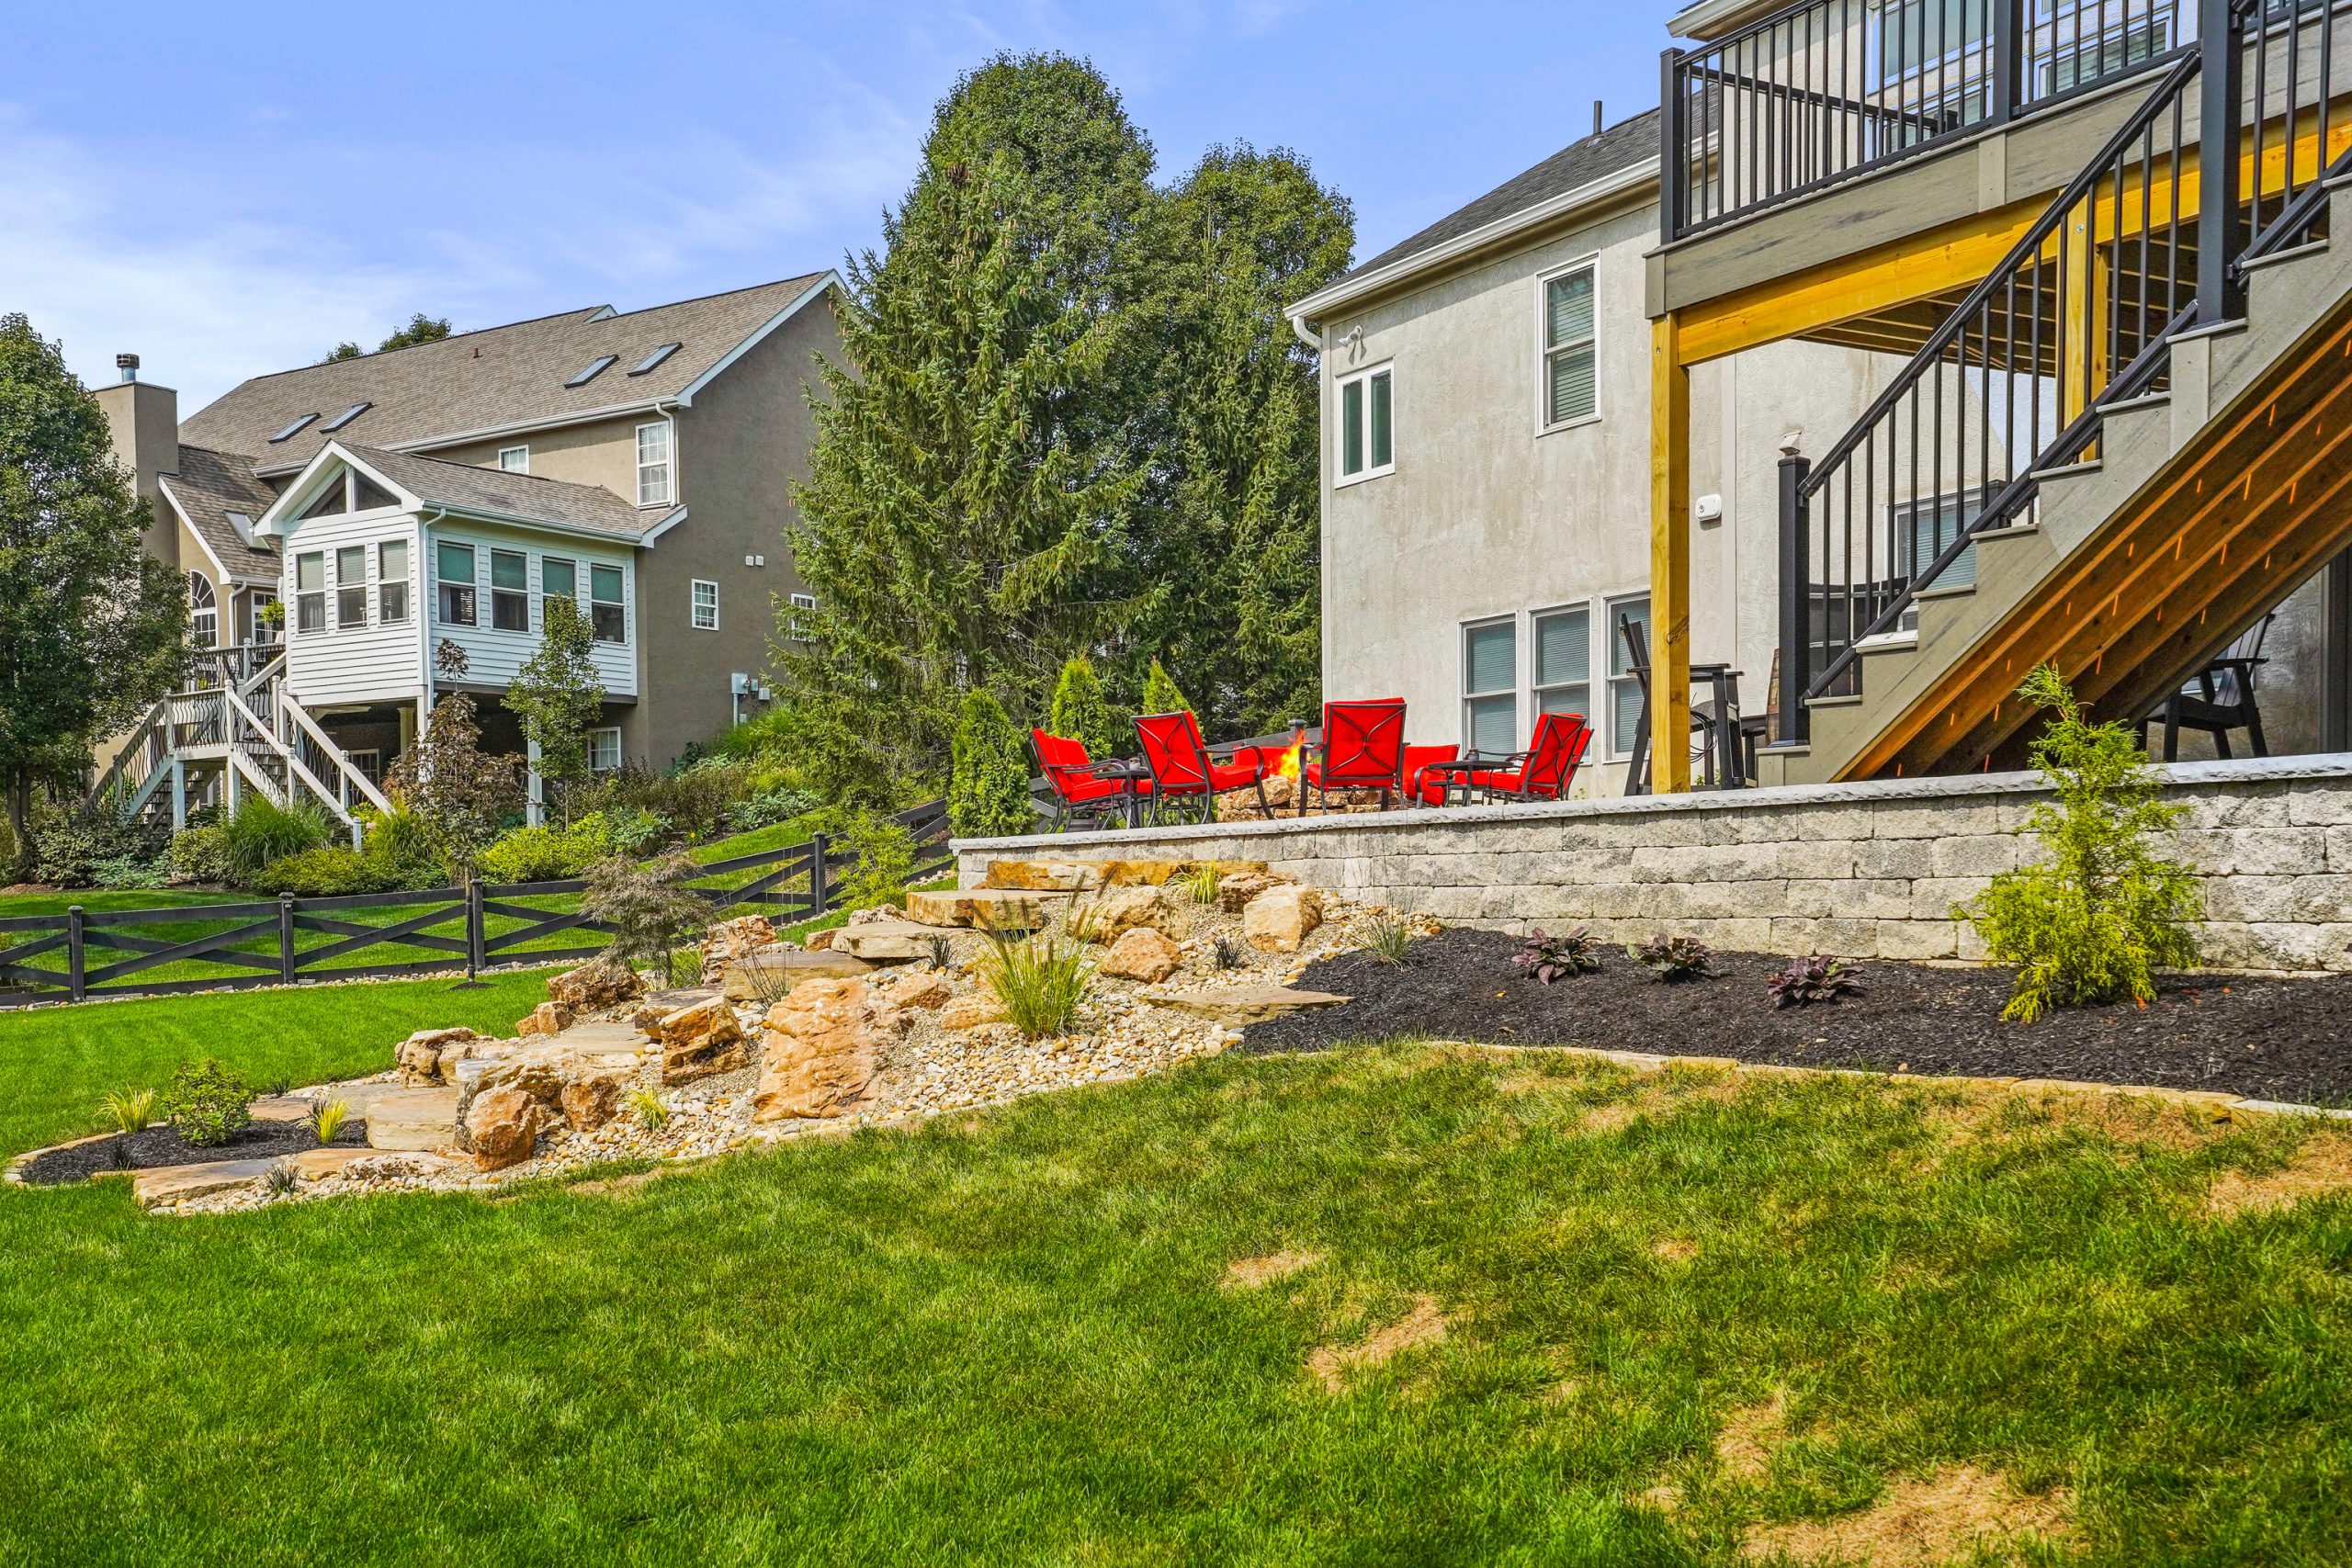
[144, 420]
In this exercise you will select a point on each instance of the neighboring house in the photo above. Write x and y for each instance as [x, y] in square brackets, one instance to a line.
[1486, 462]
[640, 462]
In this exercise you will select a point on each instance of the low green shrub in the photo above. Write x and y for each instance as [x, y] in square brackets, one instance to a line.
[330, 871]
[207, 1102]
[2102, 911]
[200, 854]
[548, 855]
[886, 864]
[637, 831]
[74, 849]
[121, 873]
[765, 808]
[262, 832]
[401, 841]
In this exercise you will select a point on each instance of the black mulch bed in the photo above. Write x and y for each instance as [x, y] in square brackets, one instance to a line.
[2285, 1039]
[160, 1146]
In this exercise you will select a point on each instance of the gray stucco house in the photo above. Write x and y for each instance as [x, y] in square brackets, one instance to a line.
[640, 462]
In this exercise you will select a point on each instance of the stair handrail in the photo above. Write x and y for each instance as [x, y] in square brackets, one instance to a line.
[141, 738]
[346, 769]
[1996, 504]
[294, 765]
[269, 670]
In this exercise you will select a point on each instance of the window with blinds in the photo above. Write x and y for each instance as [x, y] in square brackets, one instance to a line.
[1624, 686]
[1490, 687]
[1571, 373]
[1564, 663]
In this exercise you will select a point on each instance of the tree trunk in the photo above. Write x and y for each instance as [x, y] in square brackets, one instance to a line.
[20, 814]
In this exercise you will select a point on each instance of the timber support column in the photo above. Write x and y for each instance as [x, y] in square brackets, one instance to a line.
[1669, 559]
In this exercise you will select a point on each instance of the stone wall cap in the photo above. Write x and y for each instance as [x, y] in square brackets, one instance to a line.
[1871, 791]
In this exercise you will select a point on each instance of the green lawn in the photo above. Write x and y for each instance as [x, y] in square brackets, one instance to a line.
[1007, 1338]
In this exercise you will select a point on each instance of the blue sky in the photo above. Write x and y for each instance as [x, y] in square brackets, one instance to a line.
[229, 189]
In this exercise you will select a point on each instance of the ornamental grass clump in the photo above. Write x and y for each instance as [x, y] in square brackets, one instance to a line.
[1549, 958]
[1674, 958]
[2095, 919]
[130, 1109]
[1042, 977]
[327, 1118]
[1809, 980]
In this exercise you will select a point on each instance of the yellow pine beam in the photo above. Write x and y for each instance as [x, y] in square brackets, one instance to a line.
[1669, 559]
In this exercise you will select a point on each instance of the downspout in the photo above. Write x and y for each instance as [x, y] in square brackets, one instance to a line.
[1299, 329]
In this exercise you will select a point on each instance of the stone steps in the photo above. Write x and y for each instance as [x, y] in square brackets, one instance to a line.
[1086, 876]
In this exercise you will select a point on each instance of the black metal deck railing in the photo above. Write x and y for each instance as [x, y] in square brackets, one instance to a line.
[2147, 240]
[1824, 90]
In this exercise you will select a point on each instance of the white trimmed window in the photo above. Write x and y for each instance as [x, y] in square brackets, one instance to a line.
[514, 460]
[1571, 389]
[607, 612]
[706, 606]
[351, 588]
[453, 574]
[1624, 686]
[1367, 424]
[310, 592]
[1490, 686]
[559, 579]
[797, 627]
[391, 582]
[203, 612]
[603, 749]
[653, 464]
[1563, 673]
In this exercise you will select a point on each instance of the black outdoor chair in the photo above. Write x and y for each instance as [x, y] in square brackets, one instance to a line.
[2221, 698]
[1726, 754]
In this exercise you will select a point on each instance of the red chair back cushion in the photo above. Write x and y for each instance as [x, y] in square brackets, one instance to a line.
[1174, 752]
[1363, 745]
[1063, 762]
[1561, 739]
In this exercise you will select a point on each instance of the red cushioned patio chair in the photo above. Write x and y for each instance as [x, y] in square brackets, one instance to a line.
[1364, 748]
[1543, 771]
[1084, 787]
[1185, 775]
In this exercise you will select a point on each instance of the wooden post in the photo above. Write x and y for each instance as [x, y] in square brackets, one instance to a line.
[1669, 559]
[817, 891]
[76, 986]
[2077, 262]
[286, 937]
[476, 932]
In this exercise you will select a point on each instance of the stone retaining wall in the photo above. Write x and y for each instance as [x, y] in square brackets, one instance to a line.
[1865, 871]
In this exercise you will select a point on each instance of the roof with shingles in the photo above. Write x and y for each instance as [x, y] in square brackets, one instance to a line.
[497, 378]
[462, 487]
[207, 485]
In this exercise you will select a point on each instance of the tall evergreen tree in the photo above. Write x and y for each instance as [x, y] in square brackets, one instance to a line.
[1082, 713]
[92, 629]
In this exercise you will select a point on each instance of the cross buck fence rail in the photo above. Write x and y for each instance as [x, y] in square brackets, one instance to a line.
[86, 954]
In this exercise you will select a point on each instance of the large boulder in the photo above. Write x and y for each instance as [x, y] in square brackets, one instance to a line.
[1234, 893]
[702, 1040]
[1279, 919]
[420, 1054]
[503, 1125]
[821, 1047]
[597, 985]
[591, 1099]
[1124, 909]
[548, 1018]
[731, 940]
[1142, 954]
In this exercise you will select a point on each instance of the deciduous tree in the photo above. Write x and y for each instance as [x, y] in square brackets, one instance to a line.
[558, 699]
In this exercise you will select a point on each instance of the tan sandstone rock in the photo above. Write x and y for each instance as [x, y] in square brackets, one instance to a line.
[591, 1099]
[731, 940]
[597, 985]
[702, 1040]
[823, 1044]
[819, 941]
[1143, 955]
[548, 1018]
[419, 1056]
[1234, 893]
[1279, 919]
[972, 1011]
[928, 990]
[503, 1125]
[1124, 909]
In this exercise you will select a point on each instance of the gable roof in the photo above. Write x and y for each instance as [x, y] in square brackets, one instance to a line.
[206, 487]
[1622, 149]
[499, 378]
[494, 493]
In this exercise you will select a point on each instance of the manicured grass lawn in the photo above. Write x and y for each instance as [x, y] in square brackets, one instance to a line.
[1007, 1338]
[49, 902]
[56, 1062]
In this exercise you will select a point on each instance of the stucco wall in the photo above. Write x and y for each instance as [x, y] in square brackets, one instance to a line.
[1866, 871]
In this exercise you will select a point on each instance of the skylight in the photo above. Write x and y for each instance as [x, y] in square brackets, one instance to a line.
[346, 416]
[596, 367]
[652, 359]
[292, 430]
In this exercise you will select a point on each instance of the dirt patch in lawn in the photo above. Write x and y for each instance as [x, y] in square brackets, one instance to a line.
[1744, 1448]
[160, 1146]
[1674, 1250]
[1425, 1324]
[1959, 1513]
[2260, 1038]
[1250, 1273]
[2323, 1168]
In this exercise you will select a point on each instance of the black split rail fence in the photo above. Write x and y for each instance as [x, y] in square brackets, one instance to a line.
[86, 954]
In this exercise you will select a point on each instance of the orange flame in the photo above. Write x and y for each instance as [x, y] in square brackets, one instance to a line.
[1288, 767]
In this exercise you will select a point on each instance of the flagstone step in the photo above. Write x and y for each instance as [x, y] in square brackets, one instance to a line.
[885, 942]
[416, 1120]
[178, 1183]
[1235, 1006]
[773, 971]
[990, 909]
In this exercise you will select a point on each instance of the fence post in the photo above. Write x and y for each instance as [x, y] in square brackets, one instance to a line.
[1674, 154]
[818, 892]
[477, 933]
[2009, 60]
[286, 937]
[76, 986]
[2220, 228]
[1796, 601]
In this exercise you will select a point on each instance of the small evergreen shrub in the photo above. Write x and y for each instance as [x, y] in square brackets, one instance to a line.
[207, 1102]
[1082, 713]
[988, 789]
[1674, 958]
[262, 832]
[2102, 910]
[1549, 958]
[548, 855]
[1159, 693]
[886, 864]
[200, 854]
[1809, 980]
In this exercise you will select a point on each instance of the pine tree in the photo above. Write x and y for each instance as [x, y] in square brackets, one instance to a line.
[92, 629]
[558, 699]
[1082, 713]
[1159, 693]
[988, 792]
